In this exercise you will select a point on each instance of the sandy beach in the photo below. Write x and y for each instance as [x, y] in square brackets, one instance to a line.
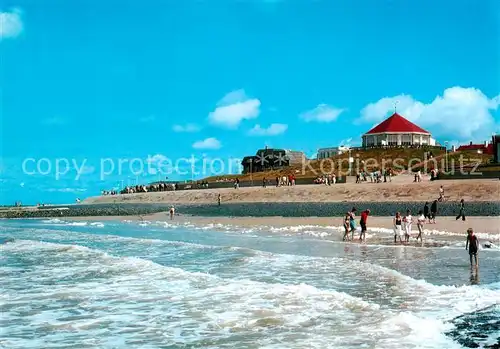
[401, 189]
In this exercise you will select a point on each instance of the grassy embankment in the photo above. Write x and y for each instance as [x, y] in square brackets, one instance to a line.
[400, 159]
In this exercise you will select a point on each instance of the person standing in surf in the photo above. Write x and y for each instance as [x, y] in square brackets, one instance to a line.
[347, 225]
[352, 215]
[362, 222]
[398, 231]
[420, 225]
[472, 245]
[462, 210]
[408, 220]
[172, 212]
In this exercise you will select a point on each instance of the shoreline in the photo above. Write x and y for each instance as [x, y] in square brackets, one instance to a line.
[489, 225]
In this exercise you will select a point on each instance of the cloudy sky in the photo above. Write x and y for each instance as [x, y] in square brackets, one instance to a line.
[87, 83]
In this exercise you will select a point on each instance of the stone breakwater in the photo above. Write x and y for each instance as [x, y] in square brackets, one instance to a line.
[329, 209]
[86, 210]
[284, 209]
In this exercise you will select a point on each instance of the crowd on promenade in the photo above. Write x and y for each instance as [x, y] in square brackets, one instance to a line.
[375, 176]
[326, 179]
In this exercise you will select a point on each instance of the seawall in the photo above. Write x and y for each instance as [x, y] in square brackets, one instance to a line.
[258, 209]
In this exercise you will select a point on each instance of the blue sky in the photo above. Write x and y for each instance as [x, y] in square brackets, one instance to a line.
[89, 80]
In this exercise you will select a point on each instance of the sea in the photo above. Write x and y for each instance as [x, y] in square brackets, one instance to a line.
[162, 284]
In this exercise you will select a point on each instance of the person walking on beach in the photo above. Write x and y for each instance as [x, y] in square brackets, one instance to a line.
[441, 194]
[362, 222]
[434, 210]
[472, 245]
[172, 212]
[408, 220]
[218, 199]
[398, 231]
[420, 225]
[462, 210]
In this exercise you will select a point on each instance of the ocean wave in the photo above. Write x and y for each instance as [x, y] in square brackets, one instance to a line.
[148, 292]
[60, 222]
[138, 298]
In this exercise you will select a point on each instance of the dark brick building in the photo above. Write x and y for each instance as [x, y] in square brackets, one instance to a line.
[271, 159]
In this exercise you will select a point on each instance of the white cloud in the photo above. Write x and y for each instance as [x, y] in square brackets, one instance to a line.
[208, 143]
[461, 113]
[158, 163]
[11, 24]
[157, 158]
[233, 108]
[186, 128]
[272, 130]
[322, 113]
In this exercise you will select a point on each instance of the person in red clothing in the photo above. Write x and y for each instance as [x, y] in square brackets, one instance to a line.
[362, 222]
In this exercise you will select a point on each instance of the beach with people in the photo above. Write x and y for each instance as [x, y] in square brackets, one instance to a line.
[399, 190]
[263, 262]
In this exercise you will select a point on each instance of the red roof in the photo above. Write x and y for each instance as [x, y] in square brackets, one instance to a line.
[487, 149]
[397, 123]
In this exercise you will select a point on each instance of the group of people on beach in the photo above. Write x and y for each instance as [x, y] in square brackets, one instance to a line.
[350, 224]
[403, 225]
[403, 228]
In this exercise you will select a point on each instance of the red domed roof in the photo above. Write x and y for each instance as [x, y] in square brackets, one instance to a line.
[397, 123]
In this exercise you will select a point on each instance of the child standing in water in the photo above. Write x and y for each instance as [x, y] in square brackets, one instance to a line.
[472, 245]
[172, 212]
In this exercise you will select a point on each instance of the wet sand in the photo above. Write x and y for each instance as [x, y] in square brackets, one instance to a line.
[489, 225]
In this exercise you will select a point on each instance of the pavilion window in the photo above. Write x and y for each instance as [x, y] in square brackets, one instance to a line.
[392, 139]
[406, 139]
